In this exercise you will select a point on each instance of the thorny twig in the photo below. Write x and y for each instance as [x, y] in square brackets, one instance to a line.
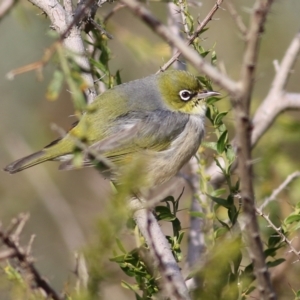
[11, 240]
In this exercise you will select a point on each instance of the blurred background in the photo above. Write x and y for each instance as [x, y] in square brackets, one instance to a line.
[64, 206]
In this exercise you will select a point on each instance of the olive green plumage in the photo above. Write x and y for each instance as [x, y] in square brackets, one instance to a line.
[161, 117]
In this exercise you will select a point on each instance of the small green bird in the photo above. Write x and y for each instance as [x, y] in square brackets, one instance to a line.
[159, 118]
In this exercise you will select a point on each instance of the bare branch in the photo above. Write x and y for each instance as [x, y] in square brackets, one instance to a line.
[279, 232]
[112, 12]
[274, 104]
[191, 55]
[25, 261]
[200, 27]
[196, 245]
[243, 127]
[174, 283]
[277, 99]
[72, 42]
[277, 191]
[6, 6]
[174, 21]
[286, 65]
[236, 17]
[7, 254]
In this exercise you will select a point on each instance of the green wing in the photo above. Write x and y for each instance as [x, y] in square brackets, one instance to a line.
[151, 130]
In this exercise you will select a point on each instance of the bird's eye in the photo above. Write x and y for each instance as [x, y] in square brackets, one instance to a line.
[185, 95]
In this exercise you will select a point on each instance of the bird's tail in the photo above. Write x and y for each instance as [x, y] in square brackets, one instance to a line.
[52, 151]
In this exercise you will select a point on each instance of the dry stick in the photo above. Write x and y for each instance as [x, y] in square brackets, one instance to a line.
[160, 249]
[196, 243]
[194, 36]
[236, 17]
[276, 192]
[277, 99]
[243, 127]
[112, 12]
[25, 261]
[174, 21]
[279, 232]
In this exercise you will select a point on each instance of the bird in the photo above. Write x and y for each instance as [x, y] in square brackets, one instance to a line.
[159, 119]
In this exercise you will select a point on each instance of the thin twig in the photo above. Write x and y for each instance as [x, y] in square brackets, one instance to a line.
[71, 37]
[276, 102]
[7, 254]
[277, 191]
[279, 232]
[191, 55]
[112, 12]
[277, 99]
[25, 261]
[174, 22]
[196, 240]
[160, 250]
[236, 17]
[198, 30]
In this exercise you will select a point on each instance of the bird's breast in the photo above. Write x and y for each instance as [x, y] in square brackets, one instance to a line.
[170, 161]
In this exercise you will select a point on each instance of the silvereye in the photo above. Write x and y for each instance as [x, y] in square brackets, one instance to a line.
[167, 112]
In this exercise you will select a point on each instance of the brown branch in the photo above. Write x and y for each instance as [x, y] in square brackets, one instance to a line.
[243, 127]
[191, 55]
[25, 261]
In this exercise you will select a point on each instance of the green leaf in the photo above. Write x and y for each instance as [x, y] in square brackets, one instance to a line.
[220, 201]
[212, 100]
[120, 246]
[218, 119]
[274, 239]
[214, 58]
[218, 192]
[118, 78]
[271, 251]
[230, 154]
[275, 263]
[99, 65]
[220, 232]
[210, 145]
[197, 214]
[222, 141]
[291, 219]
[232, 214]
[164, 213]
[55, 86]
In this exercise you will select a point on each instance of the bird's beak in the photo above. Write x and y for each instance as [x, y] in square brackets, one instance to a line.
[207, 94]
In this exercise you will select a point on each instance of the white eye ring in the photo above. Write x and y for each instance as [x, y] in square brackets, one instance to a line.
[185, 95]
